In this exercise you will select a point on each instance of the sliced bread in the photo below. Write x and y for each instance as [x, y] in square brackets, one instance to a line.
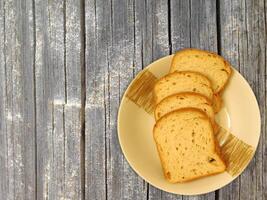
[178, 82]
[186, 145]
[213, 66]
[183, 100]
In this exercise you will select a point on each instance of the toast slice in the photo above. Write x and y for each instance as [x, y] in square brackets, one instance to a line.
[183, 100]
[213, 66]
[178, 82]
[186, 145]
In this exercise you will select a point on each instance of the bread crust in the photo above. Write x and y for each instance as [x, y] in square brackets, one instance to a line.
[214, 147]
[226, 63]
[192, 179]
[182, 72]
[188, 93]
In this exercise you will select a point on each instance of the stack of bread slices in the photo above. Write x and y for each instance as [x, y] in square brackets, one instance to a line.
[186, 102]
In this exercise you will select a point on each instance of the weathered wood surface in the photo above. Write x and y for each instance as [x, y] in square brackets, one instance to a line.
[17, 126]
[58, 99]
[64, 66]
[243, 43]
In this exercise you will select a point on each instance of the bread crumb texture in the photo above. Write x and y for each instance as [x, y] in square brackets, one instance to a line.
[186, 146]
[213, 66]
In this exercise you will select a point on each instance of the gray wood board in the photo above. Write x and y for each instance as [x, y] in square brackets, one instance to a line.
[96, 62]
[58, 99]
[17, 175]
[109, 69]
[50, 86]
[243, 43]
[3, 114]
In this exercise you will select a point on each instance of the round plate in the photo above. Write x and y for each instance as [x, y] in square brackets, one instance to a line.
[240, 115]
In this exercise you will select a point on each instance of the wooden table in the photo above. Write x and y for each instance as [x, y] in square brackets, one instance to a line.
[64, 66]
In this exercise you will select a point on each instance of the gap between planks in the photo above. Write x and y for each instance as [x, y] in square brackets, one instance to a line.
[83, 95]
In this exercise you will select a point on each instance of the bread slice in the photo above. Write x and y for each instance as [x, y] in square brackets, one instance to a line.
[183, 100]
[178, 82]
[213, 66]
[186, 145]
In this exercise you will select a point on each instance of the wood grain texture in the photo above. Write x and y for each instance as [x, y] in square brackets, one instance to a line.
[243, 43]
[109, 65]
[72, 171]
[50, 86]
[203, 25]
[3, 100]
[120, 69]
[58, 97]
[96, 23]
[17, 105]
[73, 107]
[193, 24]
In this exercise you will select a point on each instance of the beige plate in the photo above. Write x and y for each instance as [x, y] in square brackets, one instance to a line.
[240, 115]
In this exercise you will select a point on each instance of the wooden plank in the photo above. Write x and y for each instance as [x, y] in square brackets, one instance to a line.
[263, 105]
[56, 183]
[109, 64]
[3, 126]
[180, 19]
[50, 99]
[123, 183]
[193, 24]
[58, 89]
[65, 181]
[243, 43]
[159, 20]
[17, 127]
[73, 51]
[73, 187]
[97, 17]
[143, 36]
[73, 111]
[203, 25]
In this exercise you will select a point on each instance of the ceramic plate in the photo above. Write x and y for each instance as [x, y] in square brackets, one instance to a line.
[240, 115]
